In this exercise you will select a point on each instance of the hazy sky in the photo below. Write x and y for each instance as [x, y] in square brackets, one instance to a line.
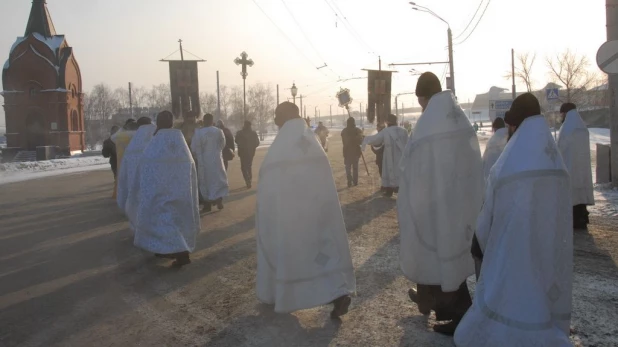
[120, 41]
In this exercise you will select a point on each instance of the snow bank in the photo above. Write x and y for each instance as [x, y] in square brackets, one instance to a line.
[598, 135]
[18, 172]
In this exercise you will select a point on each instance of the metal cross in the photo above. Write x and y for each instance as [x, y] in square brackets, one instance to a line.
[244, 62]
[551, 151]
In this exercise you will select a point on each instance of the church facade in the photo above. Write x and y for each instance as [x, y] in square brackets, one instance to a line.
[42, 89]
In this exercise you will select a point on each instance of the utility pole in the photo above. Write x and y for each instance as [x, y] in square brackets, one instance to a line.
[301, 105]
[277, 94]
[513, 72]
[130, 100]
[331, 116]
[450, 60]
[360, 110]
[218, 98]
[611, 8]
[403, 112]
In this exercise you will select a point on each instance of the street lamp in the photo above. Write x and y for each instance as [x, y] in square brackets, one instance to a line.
[450, 43]
[294, 92]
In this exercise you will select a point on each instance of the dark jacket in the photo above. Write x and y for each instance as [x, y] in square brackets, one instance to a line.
[230, 147]
[247, 141]
[352, 138]
[109, 151]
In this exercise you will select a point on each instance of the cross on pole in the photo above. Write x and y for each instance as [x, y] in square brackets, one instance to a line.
[244, 62]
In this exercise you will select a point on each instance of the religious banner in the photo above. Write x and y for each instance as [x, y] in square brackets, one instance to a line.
[184, 87]
[379, 95]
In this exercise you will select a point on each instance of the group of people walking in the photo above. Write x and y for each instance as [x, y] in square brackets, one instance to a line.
[506, 216]
[162, 176]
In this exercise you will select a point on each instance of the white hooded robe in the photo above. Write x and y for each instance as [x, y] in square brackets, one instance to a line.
[523, 295]
[493, 149]
[394, 139]
[207, 145]
[167, 217]
[440, 196]
[303, 255]
[574, 145]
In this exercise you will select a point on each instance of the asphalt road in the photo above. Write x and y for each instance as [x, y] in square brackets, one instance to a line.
[70, 276]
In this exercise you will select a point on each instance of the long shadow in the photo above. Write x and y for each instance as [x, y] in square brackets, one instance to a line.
[268, 328]
[362, 212]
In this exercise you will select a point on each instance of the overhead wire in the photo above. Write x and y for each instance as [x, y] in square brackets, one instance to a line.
[336, 10]
[283, 33]
[307, 38]
[471, 20]
[476, 25]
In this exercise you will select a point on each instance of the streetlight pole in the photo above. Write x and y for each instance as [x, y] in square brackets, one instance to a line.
[294, 91]
[396, 104]
[450, 42]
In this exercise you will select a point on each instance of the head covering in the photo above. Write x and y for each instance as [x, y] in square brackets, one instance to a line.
[391, 119]
[208, 119]
[351, 122]
[220, 123]
[286, 111]
[247, 124]
[428, 85]
[130, 124]
[567, 106]
[165, 120]
[524, 106]
[498, 123]
[144, 121]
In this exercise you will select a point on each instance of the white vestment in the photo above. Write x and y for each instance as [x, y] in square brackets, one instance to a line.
[207, 145]
[523, 295]
[167, 217]
[574, 145]
[440, 196]
[303, 253]
[130, 161]
[494, 148]
[394, 139]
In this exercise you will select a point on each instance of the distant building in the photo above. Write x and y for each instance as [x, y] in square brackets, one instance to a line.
[42, 88]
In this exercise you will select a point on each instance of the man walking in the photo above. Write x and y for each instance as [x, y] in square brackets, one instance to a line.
[109, 151]
[352, 138]
[247, 141]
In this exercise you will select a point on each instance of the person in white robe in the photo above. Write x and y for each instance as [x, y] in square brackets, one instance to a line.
[574, 145]
[167, 217]
[394, 139]
[130, 161]
[303, 255]
[495, 145]
[523, 295]
[440, 196]
[207, 146]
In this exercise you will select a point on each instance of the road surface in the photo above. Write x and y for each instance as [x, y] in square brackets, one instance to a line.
[70, 276]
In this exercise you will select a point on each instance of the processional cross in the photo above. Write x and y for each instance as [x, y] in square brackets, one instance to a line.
[244, 61]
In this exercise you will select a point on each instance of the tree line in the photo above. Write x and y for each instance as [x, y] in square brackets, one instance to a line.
[103, 106]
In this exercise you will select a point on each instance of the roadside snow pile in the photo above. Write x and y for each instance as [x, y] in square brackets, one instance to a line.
[606, 201]
[49, 165]
[598, 135]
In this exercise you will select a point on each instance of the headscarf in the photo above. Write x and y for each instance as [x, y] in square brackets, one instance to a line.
[524, 106]
[428, 85]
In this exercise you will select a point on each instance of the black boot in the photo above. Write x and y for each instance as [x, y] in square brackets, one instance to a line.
[341, 306]
[220, 203]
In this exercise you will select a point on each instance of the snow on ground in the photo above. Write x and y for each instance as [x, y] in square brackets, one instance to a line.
[18, 172]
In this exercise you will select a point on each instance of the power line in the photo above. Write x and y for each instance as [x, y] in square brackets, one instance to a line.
[477, 24]
[471, 20]
[307, 37]
[283, 33]
[336, 10]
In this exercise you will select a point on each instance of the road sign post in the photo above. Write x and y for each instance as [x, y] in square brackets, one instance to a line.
[498, 108]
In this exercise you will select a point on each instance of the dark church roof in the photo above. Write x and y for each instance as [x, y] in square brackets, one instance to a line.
[40, 21]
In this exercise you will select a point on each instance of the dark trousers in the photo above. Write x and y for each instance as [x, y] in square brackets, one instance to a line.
[246, 164]
[351, 170]
[580, 216]
[448, 306]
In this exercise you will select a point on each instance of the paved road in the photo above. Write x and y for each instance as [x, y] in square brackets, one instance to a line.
[69, 275]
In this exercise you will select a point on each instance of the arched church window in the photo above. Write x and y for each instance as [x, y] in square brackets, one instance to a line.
[74, 121]
[33, 92]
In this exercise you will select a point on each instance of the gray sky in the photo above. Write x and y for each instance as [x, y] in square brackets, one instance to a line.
[120, 41]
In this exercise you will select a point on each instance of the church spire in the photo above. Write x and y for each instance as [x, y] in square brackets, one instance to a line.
[40, 20]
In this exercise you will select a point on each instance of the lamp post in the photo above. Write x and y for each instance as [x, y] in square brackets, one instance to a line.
[244, 62]
[397, 105]
[450, 43]
[294, 92]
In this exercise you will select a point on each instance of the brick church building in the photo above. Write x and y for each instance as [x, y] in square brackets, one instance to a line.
[42, 89]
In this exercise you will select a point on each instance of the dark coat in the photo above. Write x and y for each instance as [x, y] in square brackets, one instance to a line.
[230, 147]
[352, 138]
[247, 141]
[109, 151]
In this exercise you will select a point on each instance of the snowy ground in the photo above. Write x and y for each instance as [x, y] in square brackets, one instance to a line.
[17, 172]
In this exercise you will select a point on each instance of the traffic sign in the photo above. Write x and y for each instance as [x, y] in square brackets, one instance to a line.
[552, 94]
[500, 105]
[607, 57]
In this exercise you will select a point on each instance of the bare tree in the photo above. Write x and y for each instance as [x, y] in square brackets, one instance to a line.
[572, 71]
[99, 106]
[523, 70]
[208, 103]
[234, 104]
[261, 103]
[159, 97]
